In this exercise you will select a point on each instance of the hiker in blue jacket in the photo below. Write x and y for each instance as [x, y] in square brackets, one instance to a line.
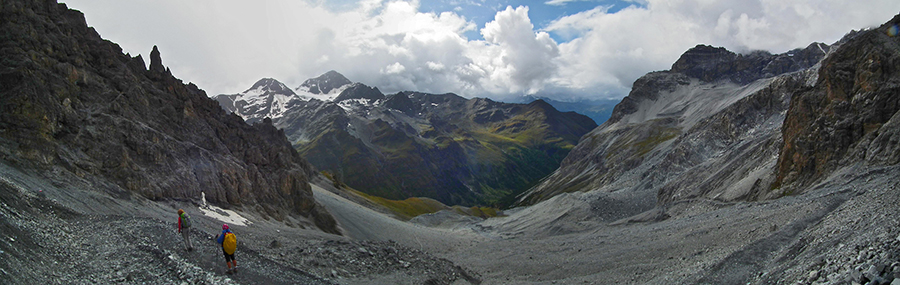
[228, 241]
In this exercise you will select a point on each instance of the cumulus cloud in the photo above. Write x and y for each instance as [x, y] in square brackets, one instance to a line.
[225, 46]
[515, 58]
[395, 68]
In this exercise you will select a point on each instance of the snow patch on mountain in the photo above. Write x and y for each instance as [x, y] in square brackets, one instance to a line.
[226, 216]
[354, 104]
[304, 93]
[262, 98]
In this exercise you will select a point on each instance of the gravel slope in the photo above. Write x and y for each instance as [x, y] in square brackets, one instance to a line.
[843, 230]
[835, 232]
[65, 233]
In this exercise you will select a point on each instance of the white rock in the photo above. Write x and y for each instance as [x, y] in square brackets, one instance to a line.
[813, 275]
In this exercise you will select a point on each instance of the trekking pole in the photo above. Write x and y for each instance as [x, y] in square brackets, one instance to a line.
[214, 252]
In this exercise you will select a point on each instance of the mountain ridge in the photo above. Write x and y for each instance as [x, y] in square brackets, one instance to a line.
[651, 143]
[720, 126]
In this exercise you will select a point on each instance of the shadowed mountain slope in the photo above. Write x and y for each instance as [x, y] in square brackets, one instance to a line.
[76, 106]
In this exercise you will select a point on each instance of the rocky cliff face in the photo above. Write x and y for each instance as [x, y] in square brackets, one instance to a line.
[74, 102]
[456, 150]
[849, 116]
[708, 129]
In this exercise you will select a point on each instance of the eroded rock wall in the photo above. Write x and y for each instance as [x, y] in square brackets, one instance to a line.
[74, 101]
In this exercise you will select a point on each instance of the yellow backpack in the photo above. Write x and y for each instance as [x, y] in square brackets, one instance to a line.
[230, 243]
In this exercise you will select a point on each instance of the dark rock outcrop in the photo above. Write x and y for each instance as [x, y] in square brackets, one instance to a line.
[716, 63]
[156, 65]
[360, 91]
[74, 102]
[400, 102]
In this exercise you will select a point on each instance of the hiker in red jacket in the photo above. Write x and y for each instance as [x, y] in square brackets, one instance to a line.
[184, 227]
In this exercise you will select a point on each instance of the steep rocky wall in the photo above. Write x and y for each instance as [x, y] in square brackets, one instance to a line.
[849, 116]
[73, 100]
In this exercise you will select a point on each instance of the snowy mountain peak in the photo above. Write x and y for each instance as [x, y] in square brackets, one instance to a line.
[266, 98]
[269, 86]
[325, 83]
[326, 87]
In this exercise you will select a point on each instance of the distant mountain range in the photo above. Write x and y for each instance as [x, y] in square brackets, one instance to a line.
[442, 146]
[598, 110]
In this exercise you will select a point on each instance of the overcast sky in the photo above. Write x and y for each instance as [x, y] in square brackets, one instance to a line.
[475, 48]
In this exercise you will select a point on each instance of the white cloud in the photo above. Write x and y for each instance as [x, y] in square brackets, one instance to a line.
[558, 2]
[516, 58]
[436, 66]
[394, 68]
[225, 46]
